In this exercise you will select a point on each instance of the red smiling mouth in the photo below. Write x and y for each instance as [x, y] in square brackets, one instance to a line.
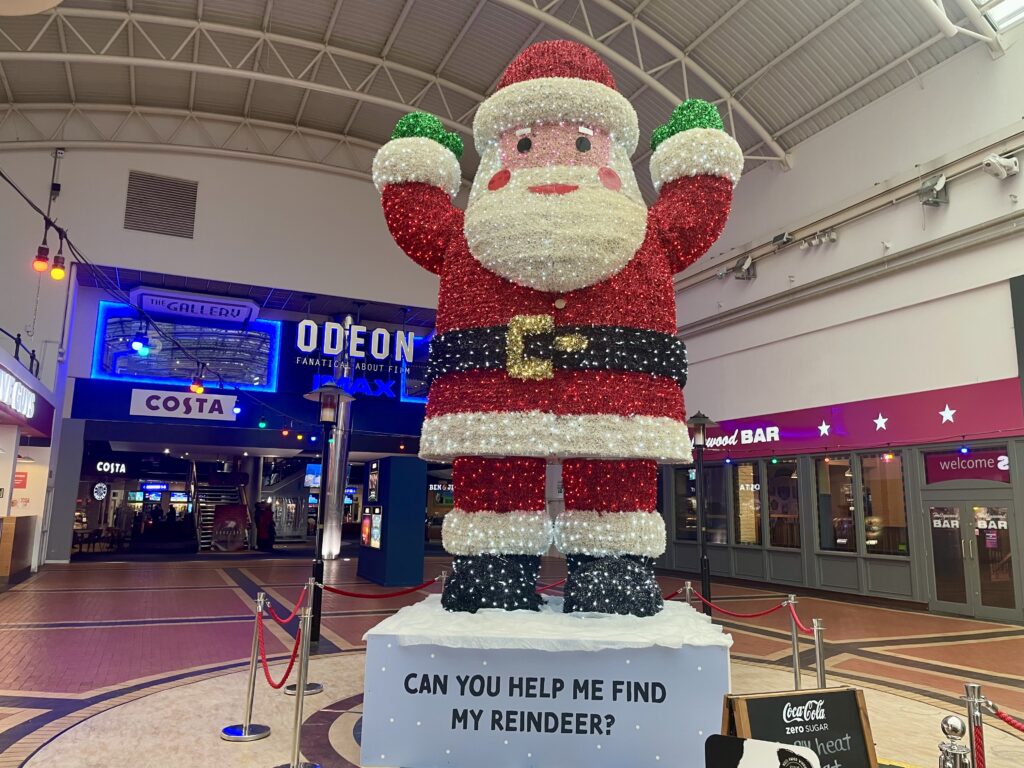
[554, 189]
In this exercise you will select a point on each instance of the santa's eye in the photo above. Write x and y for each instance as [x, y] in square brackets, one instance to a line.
[583, 144]
[524, 145]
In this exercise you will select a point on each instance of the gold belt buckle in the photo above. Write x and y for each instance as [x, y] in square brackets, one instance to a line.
[518, 365]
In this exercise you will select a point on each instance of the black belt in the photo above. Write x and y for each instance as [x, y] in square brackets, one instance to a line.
[531, 347]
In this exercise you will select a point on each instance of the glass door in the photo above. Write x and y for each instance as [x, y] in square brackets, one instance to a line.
[972, 558]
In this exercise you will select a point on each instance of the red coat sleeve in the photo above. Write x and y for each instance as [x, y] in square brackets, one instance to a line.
[689, 214]
[422, 220]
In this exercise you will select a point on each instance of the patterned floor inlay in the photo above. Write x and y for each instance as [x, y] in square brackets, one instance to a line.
[102, 662]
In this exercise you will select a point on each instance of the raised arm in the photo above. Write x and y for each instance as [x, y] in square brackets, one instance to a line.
[695, 166]
[417, 174]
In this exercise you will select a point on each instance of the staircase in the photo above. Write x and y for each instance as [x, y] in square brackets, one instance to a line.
[209, 497]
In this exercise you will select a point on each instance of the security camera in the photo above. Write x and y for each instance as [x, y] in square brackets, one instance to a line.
[1000, 167]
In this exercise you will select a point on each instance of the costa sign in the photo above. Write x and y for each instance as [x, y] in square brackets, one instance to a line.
[181, 405]
[111, 467]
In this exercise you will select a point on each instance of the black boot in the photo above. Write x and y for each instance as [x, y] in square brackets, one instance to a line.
[623, 585]
[508, 582]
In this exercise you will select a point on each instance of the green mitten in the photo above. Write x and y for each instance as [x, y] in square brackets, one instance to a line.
[692, 113]
[427, 126]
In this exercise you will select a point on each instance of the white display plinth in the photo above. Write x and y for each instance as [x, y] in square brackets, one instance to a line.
[500, 689]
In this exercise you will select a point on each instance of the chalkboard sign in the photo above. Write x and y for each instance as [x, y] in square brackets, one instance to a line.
[832, 722]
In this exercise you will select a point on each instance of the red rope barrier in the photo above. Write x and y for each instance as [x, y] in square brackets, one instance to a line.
[551, 586]
[979, 747]
[380, 596]
[263, 656]
[1010, 721]
[799, 624]
[292, 615]
[718, 608]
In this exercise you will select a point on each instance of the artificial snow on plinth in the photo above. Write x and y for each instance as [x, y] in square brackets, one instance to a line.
[542, 689]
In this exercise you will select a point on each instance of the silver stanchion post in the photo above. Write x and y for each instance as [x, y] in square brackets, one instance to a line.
[819, 650]
[796, 644]
[953, 754]
[688, 589]
[974, 701]
[300, 693]
[311, 688]
[247, 730]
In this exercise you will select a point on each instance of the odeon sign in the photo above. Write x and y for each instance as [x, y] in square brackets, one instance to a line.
[379, 343]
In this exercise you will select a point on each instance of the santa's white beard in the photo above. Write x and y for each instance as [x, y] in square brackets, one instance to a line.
[552, 242]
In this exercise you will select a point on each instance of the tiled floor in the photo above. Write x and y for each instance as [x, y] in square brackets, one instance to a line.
[81, 640]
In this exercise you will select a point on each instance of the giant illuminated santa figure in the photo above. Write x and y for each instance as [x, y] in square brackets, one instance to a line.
[556, 322]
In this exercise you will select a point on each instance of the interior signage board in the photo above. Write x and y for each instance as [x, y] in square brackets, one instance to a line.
[182, 405]
[993, 465]
[831, 722]
[983, 410]
[15, 396]
[179, 304]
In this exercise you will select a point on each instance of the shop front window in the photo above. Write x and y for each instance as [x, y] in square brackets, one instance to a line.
[686, 504]
[716, 521]
[783, 505]
[715, 506]
[836, 519]
[746, 502]
[885, 514]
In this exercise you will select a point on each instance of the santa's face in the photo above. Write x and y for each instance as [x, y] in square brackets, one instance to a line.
[553, 214]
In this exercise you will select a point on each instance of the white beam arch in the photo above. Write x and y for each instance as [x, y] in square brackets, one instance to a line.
[244, 74]
[182, 130]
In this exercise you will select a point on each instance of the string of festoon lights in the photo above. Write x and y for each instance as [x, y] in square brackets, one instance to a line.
[204, 372]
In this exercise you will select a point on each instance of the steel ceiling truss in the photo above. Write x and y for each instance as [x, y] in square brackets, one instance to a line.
[597, 33]
[268, 57]
[127, 126]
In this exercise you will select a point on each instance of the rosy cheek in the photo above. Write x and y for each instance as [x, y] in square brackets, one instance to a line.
[499, 180]
[610, 179]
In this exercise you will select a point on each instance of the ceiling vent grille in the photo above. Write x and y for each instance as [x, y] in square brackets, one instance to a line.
[161, 205]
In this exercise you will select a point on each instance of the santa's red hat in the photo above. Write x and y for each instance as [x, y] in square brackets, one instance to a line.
[557, 81]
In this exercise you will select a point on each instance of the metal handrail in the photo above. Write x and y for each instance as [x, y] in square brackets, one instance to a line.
[19, 345]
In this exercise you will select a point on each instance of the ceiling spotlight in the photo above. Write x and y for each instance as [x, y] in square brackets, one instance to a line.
[782, 239]
[284, 432]
[262, 423]
[197, 386]
[744, 268]
[1000, 167]
[804, 245]
[832, 236]
[236, 410]
[933, 191]
[816, 239]
[167, 450]
[720, 274]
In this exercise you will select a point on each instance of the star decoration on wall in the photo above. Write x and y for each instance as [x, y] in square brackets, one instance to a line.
[947, 414]
[823, 429]
[881, 421]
